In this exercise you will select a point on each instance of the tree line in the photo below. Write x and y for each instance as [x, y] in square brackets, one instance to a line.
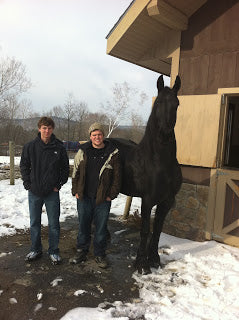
[18, 121]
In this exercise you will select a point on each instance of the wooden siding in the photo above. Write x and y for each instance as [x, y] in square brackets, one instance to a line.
[210, 49]
[197, 129]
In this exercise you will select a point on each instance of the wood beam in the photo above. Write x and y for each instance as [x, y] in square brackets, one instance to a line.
[175, 55]
[168, 15]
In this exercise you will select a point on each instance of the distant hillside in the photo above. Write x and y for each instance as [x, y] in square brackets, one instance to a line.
[31, 123]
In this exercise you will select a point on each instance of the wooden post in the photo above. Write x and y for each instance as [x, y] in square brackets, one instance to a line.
[11, 153]
[127, 207]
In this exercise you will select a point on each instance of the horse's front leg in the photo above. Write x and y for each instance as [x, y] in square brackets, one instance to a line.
[141, 263]
[160, 215]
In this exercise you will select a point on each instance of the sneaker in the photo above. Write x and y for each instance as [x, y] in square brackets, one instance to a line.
[80, 256]
[55, 258]
[102, 262]
[33, 255]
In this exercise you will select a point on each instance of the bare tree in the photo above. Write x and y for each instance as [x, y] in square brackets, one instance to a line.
[17, 108]
[81, 116]
[69, 111]
[57, 111]
[34, 115]
[13, 78]
[137, 127]
[25, 109]
[118, 109]
[97, 117]
[86, 120]
[12, 107]
[3, 111]
[69, 117]
[13, 82]
[73, 110]
[59, 118]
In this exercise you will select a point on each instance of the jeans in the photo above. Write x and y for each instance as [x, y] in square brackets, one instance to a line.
[52, 203]
[89, 212]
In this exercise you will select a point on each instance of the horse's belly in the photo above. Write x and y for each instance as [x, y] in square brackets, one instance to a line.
[129, 189]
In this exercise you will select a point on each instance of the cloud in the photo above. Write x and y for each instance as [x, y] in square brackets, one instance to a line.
[63, 45]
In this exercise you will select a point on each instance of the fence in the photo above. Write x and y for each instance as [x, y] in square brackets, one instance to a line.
[4, 150]
[71, 147]
[11, 150]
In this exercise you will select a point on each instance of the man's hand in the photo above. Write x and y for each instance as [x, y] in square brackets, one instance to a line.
[108, 199]
[77, 196]
[55, 189]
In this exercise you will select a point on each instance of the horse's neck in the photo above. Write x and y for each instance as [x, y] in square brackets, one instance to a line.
[155, 138]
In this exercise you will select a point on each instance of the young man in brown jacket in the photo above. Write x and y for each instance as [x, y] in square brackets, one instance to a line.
[95, 182]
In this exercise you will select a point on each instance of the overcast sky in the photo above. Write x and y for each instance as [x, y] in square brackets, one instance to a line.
[62, 44]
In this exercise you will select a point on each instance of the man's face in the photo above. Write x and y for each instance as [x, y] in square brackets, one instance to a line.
[46, 132]
[97, 139]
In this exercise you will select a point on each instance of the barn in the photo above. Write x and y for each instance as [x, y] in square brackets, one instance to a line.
[199, 40]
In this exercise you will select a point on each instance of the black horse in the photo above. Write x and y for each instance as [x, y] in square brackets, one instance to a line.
[151, 171]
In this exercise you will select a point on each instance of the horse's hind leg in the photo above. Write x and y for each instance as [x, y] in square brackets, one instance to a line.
[160, 215]
[141, 262]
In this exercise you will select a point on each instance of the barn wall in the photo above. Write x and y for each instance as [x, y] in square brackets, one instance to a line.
[210, 49]
[189, 217]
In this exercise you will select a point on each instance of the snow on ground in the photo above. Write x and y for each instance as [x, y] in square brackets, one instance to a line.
[5, 160]
[200, 280]
[14, 206]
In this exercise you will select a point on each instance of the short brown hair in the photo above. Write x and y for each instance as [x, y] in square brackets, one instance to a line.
[45, 121]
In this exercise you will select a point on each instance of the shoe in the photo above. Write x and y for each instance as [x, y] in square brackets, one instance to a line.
[55, 258]
[80, 256]
[102, 262]
[33, 255]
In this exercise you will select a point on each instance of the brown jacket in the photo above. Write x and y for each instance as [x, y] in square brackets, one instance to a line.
[109, 175]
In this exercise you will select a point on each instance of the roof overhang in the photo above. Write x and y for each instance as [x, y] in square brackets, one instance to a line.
[149, 32]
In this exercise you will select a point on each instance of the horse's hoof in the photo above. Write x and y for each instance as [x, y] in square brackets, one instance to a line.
[142, 268]
[146, 270]
[154, 264]
[154, 261]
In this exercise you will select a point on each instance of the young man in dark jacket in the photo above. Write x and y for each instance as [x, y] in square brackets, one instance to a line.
[95, 182]
[45, 168]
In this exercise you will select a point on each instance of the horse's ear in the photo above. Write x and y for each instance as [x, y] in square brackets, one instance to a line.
[177, 84]
[160, 83]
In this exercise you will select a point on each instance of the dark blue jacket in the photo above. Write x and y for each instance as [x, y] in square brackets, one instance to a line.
[44, 166]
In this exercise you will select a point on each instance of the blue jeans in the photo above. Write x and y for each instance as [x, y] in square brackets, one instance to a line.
[89, 212]
[52, 203]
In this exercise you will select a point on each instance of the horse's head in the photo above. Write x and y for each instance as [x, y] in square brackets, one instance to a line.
[166, 104]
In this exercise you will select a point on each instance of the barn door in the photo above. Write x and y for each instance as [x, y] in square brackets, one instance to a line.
[226, 219]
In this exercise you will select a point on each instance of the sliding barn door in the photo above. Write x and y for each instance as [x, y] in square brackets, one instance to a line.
[226, 219]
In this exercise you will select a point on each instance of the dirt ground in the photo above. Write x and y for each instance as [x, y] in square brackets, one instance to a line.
[21, 282]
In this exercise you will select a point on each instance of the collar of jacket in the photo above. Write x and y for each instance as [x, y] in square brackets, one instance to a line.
[51, 142]
[106, 164]
[82, 153]
[108, 144]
